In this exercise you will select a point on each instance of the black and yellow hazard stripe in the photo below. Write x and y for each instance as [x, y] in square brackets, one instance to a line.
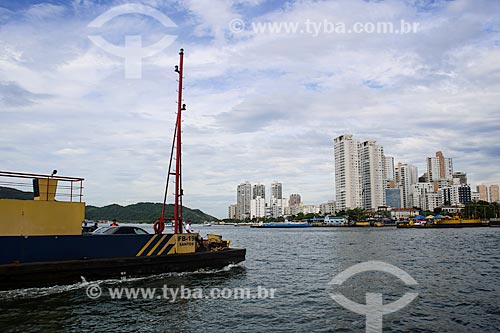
[153, 244]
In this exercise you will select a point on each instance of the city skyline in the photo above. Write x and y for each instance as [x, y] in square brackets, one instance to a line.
[260, 104]
[373, 179]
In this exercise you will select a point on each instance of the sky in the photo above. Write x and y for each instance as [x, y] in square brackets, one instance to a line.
[263, 105]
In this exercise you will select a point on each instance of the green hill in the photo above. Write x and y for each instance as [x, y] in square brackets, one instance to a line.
[143, 212]
[12, 193]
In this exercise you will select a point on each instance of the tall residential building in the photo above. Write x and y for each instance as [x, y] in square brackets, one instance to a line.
[257, 207]
[361, 173]
[483, 192]
[259, 190]
[294, 200]
[347, 180]
[393, 197]
[389, 172]
[494, 193]
[419, 195]
[371, 171]
[231, 211]
[488, 193]
[407, 176]
[439, 168]
[328, 207]
[278, 207]
[243, 198]
[456, 194]
[276, 190]
[459, 178]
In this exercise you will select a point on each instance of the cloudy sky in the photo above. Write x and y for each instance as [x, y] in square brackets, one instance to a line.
[263, 105]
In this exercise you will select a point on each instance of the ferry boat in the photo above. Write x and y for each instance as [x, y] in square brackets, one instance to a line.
[455, 222]
[42, 243]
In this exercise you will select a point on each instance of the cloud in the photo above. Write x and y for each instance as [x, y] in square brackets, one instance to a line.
[262, 107]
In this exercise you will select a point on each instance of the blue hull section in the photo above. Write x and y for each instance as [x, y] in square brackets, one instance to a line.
[59, 248]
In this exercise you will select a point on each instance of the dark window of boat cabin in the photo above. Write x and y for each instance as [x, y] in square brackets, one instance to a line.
[139, 231]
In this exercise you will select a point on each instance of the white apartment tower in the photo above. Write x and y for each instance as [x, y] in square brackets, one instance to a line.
[407, 176]
[347, 180]
[389, 172]
[439, 168]
[243, 198]
[257, 207]
[371, 171]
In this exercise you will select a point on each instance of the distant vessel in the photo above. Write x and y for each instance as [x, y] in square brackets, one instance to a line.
[443, 222]
[282, 225]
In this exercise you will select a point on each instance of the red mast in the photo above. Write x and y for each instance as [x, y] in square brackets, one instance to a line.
[176, 146]
[178, 165]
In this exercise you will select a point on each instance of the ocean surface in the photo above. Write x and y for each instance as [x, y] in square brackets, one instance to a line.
[457, 271]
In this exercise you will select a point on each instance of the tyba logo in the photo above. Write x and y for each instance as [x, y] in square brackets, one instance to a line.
[133, 51]
[374, 308]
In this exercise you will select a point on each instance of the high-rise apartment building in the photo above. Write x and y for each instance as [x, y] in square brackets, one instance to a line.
[259, 190]
[439, 168]
[494, 194]
[231, 211]
[371, 171]
[347, 180]
[488, 193]
[257, 207]
[407, 176]
[360, 173]
[243, 198]
[328, 207]
[276, 190]
[294, 200]
[459, 178]
[389, 172]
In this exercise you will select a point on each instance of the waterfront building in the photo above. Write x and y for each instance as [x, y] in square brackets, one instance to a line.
[328, 207]
[243, 198]
[231, 211]
[459, 178]
[276, 190]
[419, 194]
[494, 193]
[483, 192]
[347, 180]
[456, 194]
[294, 200]
[277, 207]
[404, 213]
[434, 200]
[488, 193]
[371, 171]
[308, 209]
[259, 190]
[389, 171]
[439, 167]
[257, 207]
[407, 175]
[393, 197]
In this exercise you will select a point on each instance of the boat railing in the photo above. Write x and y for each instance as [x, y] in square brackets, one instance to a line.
[44, 187]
